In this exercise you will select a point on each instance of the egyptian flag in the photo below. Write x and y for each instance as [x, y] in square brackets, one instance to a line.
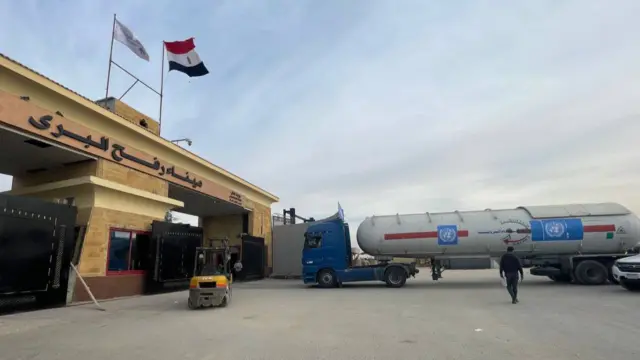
[183, 57]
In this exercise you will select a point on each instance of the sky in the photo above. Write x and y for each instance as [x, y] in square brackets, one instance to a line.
[384, 106]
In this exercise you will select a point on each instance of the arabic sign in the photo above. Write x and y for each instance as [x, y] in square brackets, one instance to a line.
[31, 118]
[512, 232]
[118, 152]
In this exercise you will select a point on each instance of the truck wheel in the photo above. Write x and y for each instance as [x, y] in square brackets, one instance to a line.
[395, 277]
[630, 286]
[327, 279]
[591, 272]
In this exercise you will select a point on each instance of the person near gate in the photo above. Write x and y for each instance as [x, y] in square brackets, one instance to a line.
[510, 266]
[237, 267]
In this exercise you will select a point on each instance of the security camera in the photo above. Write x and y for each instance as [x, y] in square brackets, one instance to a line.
[189, 142]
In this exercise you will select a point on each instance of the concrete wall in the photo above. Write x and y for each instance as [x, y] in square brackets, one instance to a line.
[288, 242]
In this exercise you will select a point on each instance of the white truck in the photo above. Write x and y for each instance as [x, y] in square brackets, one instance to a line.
[568, 243]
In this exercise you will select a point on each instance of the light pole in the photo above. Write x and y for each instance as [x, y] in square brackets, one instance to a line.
[187, 140]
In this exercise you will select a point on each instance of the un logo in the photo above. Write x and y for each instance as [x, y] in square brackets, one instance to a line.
[448, 235]
[555, 229]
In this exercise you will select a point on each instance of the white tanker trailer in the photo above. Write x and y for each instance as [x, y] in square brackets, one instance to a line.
[577, 242]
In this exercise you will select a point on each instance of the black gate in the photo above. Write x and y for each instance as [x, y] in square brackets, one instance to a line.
[172, 256]
[253, 258]
[36, 246]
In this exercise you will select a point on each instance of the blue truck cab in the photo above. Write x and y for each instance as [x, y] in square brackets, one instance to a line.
[327, 259]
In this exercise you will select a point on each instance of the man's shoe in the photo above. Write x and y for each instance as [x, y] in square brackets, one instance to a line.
[514, 301]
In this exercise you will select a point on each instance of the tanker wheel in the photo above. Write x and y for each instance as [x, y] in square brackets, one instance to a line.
[395, 277]
[327, 279]
[591, 272]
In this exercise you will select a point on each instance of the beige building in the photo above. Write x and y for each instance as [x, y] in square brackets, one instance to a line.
[109, 161]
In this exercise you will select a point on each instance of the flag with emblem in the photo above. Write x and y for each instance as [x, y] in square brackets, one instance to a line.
[182, 56]
[123, 35]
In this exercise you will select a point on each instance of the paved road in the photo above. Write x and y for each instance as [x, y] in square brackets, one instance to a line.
[467, 315]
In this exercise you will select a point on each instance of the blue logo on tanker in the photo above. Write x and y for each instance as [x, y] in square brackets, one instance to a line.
[447, 235]
[557, 230]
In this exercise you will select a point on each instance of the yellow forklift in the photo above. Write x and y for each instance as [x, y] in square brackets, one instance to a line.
[211, 282]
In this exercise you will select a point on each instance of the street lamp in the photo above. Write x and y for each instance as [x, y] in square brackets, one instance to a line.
[188, 141]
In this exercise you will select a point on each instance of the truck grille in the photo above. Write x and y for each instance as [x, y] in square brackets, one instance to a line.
[208, 285]
[631, 268]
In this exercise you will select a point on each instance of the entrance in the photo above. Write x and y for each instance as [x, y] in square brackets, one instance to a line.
[36, 245]
[253, 258]
[172, 254]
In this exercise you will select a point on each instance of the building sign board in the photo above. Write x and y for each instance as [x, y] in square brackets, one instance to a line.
[33, 119]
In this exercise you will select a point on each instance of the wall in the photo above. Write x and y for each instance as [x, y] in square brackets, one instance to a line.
[223, 226]
[102, 168]
[231, 226]
[123, 175]
[130, 114]
[288, 242]
[93, 261]
[67, 172]
[260, 226]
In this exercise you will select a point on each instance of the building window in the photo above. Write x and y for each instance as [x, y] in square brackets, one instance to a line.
[128, 252]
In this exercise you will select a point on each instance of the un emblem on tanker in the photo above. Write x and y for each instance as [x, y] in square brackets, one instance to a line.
[447, 235]
[555, 229]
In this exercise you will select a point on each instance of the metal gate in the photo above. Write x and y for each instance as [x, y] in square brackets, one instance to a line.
[36, 245]
[172, 256]
[253, 258]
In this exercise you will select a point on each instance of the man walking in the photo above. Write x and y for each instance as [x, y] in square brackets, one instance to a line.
[510, 266]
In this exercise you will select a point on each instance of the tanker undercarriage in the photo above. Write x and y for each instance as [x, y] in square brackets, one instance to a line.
[578, 269]
[437, 268]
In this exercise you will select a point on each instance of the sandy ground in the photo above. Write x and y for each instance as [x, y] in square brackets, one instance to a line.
[466, 315]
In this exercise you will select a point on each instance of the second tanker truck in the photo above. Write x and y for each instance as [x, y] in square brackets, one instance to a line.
[567, 243]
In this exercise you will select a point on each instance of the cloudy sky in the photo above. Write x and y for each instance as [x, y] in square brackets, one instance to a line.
[385, 106]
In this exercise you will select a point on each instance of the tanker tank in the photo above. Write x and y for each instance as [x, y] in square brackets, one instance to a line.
[604, 228]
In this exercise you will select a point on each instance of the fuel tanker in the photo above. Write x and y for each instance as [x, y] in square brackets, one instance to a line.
[568, 243]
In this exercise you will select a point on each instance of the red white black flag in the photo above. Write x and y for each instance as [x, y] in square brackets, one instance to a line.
[183, 57]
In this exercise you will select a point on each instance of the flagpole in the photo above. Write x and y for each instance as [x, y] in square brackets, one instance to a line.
[113, 30]
[161, 91]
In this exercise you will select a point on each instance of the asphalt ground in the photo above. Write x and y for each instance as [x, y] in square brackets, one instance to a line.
[465, 315]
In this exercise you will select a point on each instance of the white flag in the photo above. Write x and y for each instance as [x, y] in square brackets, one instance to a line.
[123, 35]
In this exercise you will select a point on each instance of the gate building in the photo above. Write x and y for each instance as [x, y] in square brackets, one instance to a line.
[100, 172]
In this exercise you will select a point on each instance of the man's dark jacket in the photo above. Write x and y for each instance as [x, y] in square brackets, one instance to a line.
[510, 264]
